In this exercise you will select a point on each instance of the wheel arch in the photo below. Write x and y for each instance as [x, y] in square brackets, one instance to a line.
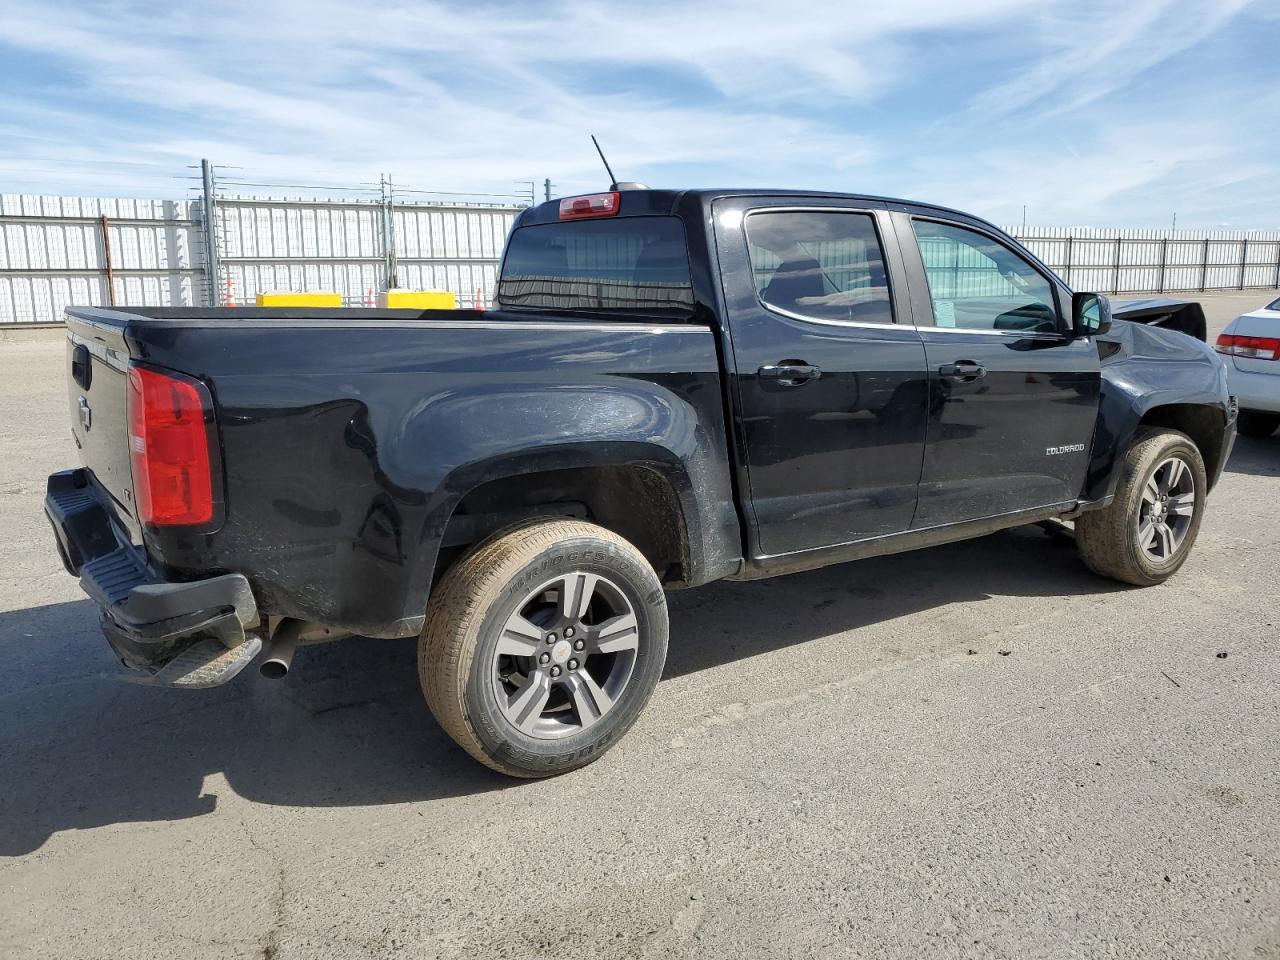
[1189, 401]
[641, 491]
[1203, 423]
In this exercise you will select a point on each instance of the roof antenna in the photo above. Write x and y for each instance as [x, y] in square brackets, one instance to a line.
[612, 179]
[615, 184]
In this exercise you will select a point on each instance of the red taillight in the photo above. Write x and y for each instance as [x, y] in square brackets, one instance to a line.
[1256, 348]
[594, 205]
[170, 449]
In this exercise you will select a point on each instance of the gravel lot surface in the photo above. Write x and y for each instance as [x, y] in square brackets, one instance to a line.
[979, 750]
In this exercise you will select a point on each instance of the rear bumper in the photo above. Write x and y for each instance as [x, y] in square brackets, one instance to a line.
[152, 624]
[1255, 391]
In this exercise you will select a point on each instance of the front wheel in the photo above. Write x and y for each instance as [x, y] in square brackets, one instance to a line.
[542, 646]
[1146, 533]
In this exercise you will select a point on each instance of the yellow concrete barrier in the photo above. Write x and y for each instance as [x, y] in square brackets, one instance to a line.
[285, 299]
[418, 300]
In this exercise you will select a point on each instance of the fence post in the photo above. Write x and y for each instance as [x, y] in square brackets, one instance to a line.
[106, 260]
[1244, 259]
[1115, 284]
[209, 214]
[1067, 267]
[1164, 259]
[1204, 265]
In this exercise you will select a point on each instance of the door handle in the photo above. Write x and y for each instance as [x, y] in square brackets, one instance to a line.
[791, 373]
[966, 371]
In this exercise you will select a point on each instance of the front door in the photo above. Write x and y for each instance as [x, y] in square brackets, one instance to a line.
[1013, 395]
[830, 373]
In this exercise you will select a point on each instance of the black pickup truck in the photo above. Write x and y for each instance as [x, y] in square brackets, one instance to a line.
[676, 387]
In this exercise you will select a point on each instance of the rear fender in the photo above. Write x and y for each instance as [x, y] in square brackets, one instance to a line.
[507, 433]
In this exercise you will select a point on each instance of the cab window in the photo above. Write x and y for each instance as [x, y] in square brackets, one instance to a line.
[819, 264]
[977, 283]
[624, 266]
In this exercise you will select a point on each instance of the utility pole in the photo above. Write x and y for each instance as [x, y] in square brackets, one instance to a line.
[209, 216]
[546, 184]
[388, 230]
[1024, 219]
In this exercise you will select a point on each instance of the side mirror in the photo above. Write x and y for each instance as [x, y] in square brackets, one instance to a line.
[1090, 314]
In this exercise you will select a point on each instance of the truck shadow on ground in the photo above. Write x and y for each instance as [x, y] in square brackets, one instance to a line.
[80, 749]
[1257, 457]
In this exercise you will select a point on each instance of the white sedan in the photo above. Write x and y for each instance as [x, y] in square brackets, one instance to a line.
[1252, 341]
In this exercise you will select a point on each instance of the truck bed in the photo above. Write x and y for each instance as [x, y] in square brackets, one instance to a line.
[350, 437]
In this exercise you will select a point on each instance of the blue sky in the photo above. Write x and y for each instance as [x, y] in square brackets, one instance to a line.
[1088, 112]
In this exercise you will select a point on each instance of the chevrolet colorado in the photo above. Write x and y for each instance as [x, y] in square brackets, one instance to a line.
[675, 387]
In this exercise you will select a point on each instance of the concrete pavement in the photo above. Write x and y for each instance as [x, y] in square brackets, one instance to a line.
[979, 750]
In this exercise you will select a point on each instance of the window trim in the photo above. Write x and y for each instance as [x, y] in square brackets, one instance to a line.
[869, 213]
[1060, 334]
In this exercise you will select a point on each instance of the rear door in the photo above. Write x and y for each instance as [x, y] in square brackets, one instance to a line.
[830, 373]
[1013, 397]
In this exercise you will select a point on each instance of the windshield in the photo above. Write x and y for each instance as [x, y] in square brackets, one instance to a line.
[633, 264]
[1273, 305]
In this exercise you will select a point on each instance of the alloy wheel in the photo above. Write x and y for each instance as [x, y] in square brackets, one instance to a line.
[565, 655]
[1167, 510]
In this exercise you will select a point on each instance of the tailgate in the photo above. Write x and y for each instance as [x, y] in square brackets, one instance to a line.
[96, 369]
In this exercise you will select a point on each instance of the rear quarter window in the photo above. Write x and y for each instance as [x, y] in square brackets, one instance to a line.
[632, 265]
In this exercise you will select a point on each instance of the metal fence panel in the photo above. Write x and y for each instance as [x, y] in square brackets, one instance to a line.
[54, 252]
[341, 246]
[1156, 261]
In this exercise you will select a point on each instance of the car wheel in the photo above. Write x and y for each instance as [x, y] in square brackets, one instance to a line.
[1146, 533]
[1253, 424]
[542, 646]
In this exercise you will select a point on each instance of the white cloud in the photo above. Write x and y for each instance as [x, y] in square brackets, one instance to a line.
[1091, 48]
[476, 95]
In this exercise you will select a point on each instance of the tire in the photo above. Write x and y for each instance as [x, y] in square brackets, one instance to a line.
[481, 654]
[1115, 543]
[1254, 424]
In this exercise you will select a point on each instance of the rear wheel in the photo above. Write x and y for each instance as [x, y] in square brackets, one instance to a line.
[1254, 424]
[543, 645]
[1146, 533]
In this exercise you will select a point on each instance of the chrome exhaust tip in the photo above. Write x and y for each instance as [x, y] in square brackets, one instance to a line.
[280, 650]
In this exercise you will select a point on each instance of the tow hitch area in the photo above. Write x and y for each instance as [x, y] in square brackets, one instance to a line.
[196, 634]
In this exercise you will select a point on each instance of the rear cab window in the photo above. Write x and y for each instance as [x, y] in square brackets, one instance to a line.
[627, 265]
[823, 265]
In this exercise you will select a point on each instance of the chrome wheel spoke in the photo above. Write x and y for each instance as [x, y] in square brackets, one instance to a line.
[1146, 535]
[520, 638]
[620, 633]
[1151, 492]
[1165, 534]
[1182, 505]
[1173, 469]
[589, 699]
[526, 705]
